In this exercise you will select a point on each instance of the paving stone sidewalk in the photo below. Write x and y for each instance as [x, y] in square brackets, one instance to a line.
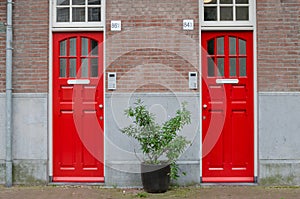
[91, 192]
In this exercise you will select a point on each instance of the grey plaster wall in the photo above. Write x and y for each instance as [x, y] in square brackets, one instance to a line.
[279, 138]
[30, 138]
[121, 161]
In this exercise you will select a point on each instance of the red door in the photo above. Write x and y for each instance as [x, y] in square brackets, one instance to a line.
[78, 115]
[227, 107]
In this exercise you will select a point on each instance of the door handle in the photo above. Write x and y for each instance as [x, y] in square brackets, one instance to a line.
[101, 118]
[101, 106]
[205, 106]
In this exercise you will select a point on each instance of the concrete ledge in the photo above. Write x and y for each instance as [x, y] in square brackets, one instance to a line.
[128, 174]
[279, 172]
[120, 178]
[30, 172]
[2, 172]
[192, 174]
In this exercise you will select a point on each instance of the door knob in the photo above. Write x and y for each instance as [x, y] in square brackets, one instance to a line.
[101, 106]
[101, 118]
[204, 106]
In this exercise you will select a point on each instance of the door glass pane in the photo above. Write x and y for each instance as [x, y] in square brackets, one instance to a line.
[63, 2]
[211, 47]
[243, 67]
[63, 48]
[226, 1]
[220, 45]
[63, 68]
[94, 14]
[78, 2]
[94, 2]
[211, 67]
[210, 13]
[242, 13]
[232, 45]
[72, 67]
[84, 68]
[73, 47]
[84, 46]
[242, 47]
[94, 69]
[226, 13]
[94, 47]
[232, 67]
[241, 1]
[78, 14]
[62, 14]
[220, 66]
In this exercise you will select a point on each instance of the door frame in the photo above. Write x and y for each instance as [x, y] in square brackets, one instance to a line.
[255, 85]
[50, 84]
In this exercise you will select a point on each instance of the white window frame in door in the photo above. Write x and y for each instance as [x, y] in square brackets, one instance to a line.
[230, 23]
[86, 24]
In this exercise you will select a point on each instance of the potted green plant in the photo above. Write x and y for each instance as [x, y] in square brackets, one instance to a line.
[160, 144]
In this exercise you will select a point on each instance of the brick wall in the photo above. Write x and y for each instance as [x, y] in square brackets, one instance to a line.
[152, 53]
[30, 62]
[2, 46]
[278, 25]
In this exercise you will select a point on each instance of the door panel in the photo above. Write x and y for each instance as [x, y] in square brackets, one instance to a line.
[227, 109]
[78, 115]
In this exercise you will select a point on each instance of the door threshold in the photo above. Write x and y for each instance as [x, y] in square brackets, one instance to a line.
[204, 184]
[76, 184]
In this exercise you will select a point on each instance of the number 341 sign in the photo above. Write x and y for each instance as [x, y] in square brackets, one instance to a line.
[188, 24]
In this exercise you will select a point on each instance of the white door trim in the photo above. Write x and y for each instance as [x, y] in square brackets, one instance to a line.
[50, 81]
[255, 84]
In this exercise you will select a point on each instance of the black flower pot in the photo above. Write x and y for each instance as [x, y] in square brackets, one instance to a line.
[155, 178]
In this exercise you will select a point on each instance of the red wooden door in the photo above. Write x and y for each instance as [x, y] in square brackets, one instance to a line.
[78, 111]
[227, 107]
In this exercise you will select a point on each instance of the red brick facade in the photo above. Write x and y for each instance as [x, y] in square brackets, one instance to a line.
[152, 53]
[30, 43]
[278, 25]
[2, 46]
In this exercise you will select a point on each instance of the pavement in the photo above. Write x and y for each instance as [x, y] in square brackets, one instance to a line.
[90, 192]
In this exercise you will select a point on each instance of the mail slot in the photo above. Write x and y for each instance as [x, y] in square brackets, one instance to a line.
[227, 81]
[79, 81]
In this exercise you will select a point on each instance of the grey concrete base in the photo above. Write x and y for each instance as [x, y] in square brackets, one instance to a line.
[117, 175]
[279, 138]
[2, 172]
[27, 172]
[30, 139]
[30, 172]
[122, 165]
[191, 171]
[279, 173]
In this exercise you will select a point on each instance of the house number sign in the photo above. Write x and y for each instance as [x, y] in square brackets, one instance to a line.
[116, 26]
[188, 24]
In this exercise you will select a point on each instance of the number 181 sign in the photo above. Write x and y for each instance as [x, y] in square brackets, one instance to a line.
[115, 26]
